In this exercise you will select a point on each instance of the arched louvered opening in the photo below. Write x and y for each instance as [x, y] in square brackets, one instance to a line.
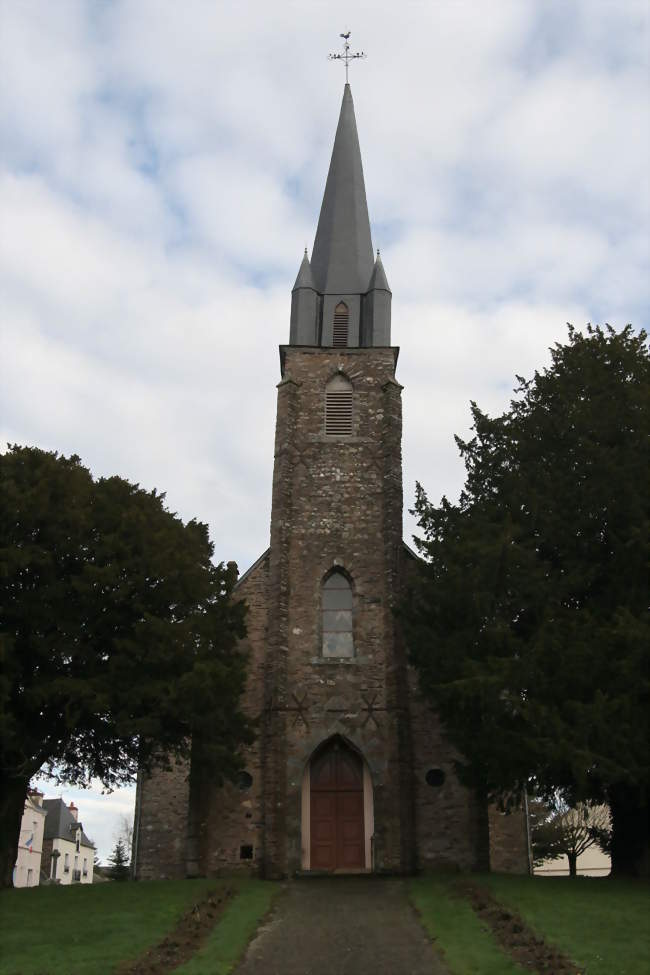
[341, 322]
[337, 616]
[338, 407]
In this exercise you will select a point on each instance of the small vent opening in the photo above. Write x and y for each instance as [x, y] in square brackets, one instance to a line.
[341, 321]
[338, 408]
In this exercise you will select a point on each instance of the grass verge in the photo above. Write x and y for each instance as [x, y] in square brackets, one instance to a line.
[467, 945]
[235, 928]
[601, 923]
[89, 930]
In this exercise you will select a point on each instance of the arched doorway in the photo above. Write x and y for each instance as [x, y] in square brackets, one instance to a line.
[336, 805]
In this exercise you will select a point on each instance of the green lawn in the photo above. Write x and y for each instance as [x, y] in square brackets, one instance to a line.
[601, 924]
[236, 928]
[89, 930]
[466, 944]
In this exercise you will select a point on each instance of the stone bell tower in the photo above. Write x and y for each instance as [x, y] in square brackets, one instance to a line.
[335, 679]
[350, 770]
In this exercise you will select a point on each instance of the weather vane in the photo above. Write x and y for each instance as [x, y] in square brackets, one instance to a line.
[346, 56]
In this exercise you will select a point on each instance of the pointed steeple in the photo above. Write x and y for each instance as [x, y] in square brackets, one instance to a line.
[376, 308]
[303, 328]
[378, 280]
[305, 277]
[342, 256]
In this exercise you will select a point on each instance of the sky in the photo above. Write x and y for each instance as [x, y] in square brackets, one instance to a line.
[162, 166]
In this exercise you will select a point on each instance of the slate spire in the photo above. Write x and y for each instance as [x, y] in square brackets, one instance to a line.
[305, 278]
[343, 279]
[303, 329]
[342, 258]
[378, 281]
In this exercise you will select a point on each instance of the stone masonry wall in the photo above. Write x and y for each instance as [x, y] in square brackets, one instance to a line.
[210, 834]
[447, 815]
[161, 824]
[230, 821]
[337, 502]
[508, 841]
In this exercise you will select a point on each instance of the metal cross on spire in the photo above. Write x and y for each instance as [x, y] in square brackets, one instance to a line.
[346, 56]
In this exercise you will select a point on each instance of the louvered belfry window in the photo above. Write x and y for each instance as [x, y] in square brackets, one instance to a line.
[341, 320]
[338, 407]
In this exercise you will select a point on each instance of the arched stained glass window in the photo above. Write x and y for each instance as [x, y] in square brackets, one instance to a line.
[337, 616]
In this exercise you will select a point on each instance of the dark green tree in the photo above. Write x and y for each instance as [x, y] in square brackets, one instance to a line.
[528, 620]
[119, 862]
[118, 635]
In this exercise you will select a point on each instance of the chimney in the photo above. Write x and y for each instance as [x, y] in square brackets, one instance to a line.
[36, 797]
[74, 812]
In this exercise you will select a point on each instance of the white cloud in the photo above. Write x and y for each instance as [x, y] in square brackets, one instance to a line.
[162, 169]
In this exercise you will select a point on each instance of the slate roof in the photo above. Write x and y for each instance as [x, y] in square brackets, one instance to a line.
[59, 821]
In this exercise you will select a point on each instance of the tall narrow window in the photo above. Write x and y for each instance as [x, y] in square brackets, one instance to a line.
[341, 320]
[338, 407]
[337, 617]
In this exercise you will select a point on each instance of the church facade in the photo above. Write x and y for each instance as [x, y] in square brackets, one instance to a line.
[351, 770]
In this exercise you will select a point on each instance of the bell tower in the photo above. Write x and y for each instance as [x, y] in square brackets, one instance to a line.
[335, 673]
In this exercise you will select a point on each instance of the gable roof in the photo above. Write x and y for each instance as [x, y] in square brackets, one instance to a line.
[60, 824]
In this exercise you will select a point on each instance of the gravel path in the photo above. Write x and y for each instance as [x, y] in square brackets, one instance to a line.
[342, 926]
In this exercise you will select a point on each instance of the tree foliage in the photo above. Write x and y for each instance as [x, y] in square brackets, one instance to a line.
[119, 861]
[118, 635]
[558, 830]
[528, 622]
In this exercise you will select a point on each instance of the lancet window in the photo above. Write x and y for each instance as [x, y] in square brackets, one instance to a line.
[337, 616]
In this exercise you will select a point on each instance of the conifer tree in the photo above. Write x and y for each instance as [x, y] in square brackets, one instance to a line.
[119, 861]
[528, 620]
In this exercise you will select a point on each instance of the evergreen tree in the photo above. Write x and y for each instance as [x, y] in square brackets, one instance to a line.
[118, 635]
[528, 622]
[119, 862]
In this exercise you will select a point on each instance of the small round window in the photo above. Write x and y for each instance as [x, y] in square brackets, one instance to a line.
[244, 780]
[435, 777]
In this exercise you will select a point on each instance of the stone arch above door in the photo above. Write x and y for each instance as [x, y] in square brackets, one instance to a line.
[337, 809]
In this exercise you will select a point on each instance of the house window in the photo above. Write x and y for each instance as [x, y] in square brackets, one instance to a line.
[30, 876]
[66, 863]
[85, 866]
[337, 616]
[338, 407]
[341, 321]
[77, 845]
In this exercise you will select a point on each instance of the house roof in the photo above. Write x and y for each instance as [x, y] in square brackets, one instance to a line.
[60, 823]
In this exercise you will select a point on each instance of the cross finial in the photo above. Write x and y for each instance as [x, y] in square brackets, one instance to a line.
[346, 56]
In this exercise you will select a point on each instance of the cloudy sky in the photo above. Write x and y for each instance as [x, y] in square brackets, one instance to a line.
[162, 170]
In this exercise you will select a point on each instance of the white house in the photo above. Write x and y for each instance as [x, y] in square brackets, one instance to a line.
[67, 851]
[27, 871]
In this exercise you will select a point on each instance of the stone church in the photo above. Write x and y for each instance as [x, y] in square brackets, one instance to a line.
[351, 770]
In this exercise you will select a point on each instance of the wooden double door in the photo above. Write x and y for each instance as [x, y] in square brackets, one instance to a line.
[336, 808]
